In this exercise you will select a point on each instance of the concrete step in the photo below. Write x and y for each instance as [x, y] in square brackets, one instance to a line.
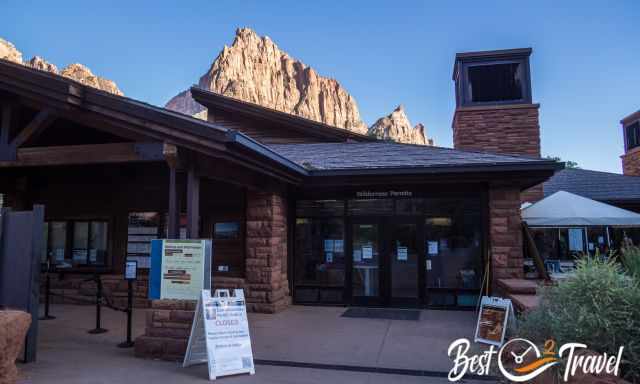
[518, 286]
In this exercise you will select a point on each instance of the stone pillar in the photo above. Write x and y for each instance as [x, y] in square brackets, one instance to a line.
[266, 241]
[512, 129]
[505, 233]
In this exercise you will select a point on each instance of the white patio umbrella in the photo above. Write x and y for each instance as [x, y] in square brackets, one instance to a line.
[566, 209]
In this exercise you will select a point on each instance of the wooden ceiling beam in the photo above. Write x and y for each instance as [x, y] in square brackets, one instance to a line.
[86, 154]
[38, 124]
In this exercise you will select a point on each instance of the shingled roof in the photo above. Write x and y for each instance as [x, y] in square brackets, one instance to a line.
[596, 185]
[332, 158]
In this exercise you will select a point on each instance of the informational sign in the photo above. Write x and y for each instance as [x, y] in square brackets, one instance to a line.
[432, 247]
[357, 255]
[402, 254]
[328, 245]
[575, 240]
[494, 317]
[131, 270]
[367, 252]
[180, 269]
[220, 335]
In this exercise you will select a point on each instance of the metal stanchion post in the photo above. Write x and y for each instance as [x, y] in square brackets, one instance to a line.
[47, 295]
[98, 329]
[128, 343]
[130, 274]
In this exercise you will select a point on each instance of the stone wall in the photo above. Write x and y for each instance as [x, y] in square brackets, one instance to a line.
[505, 233]
[266, 287]
[631, 162]
[507, 129]
[167, 329]
[265, 284]
[501, 129]
[69, 288]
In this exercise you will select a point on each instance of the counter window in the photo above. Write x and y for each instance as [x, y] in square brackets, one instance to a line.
[88, 242]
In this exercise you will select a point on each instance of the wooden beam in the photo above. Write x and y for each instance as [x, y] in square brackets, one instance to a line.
[86, 154]
[38, 124]
[5, 125]
[173, 218]
[193, 204]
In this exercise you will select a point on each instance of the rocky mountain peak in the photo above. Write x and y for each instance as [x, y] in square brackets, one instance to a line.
[9, 52]
[82, 74]
[38, 62]
[254, 69]
[397, 127]
[77, 72]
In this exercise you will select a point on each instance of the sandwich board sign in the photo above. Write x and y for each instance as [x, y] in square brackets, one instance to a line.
[220, 335]
[495, 316]
[180, 269]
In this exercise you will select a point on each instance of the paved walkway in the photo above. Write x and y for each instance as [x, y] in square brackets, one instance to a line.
[315, 335]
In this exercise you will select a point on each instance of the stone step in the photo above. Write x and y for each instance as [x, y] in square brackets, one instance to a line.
[518, 286]
[524, 303]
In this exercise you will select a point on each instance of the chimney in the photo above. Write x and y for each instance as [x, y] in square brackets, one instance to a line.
[494, 112]
[631, 134]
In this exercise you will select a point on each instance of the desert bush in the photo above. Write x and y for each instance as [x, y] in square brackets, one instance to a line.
[598, 306]
[631, 261]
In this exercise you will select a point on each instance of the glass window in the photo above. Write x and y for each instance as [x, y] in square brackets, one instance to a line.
[633, 135]
[80, 243]
[58, 242]
[371, 207]
[495, 82]
[229, 248]
[226, 230]
[98, 242]
[320, 259]
[319, 208]
[453, 236]
[89, 243]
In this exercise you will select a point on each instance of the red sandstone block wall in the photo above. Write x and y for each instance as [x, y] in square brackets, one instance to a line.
[631, 162]
[505, 233]
[498, 129]
[503, 129]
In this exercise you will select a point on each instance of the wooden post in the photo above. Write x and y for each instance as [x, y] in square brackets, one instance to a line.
[173, 205]
[193, 204]
[5, 125]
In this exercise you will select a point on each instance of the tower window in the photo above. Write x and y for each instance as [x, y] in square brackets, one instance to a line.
[489, 78]
[632, 133]
[495, 83]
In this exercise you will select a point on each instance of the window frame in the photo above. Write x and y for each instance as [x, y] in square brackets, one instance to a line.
[636, 131]
[463, 92]
[68, 248]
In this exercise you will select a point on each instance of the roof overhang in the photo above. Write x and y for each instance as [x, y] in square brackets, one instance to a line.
[74, 100]
[216, 101]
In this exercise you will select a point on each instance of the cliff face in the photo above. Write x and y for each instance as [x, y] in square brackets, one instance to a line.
[77, 72]
[254, 69]
[396, 127]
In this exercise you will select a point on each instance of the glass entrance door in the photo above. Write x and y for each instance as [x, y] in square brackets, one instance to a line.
[403, 255]
[366, 263]
[384, 262]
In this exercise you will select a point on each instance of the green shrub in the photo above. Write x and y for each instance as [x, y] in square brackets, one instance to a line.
[599, 306]
[631, 261]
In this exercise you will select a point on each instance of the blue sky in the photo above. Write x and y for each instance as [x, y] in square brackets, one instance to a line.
[585, 64]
